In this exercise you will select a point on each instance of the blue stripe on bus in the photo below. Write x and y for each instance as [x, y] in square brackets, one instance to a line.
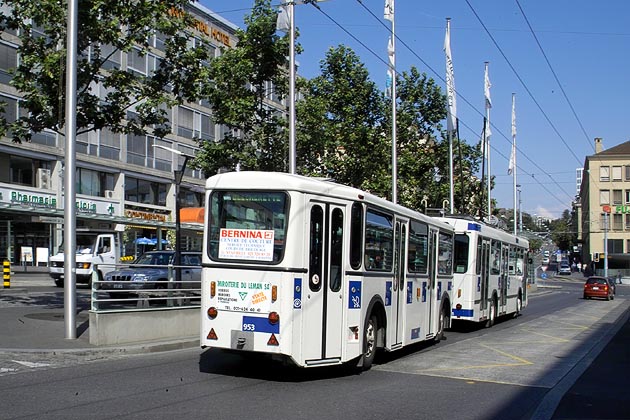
[257, 324]
[409, 292]
[463, 312]
[297, 293]
[479, 284]
[439, 292]
[388, 293]
[424, 291]
[354, 301]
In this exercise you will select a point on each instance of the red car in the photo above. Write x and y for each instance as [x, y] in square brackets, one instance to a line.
[598, 287]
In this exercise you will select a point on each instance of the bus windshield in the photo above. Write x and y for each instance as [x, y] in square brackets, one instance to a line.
[247, 226]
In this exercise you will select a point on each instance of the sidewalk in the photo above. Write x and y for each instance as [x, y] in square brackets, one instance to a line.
[34, 321]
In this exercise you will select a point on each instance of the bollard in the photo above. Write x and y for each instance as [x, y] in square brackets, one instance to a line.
[6, 271]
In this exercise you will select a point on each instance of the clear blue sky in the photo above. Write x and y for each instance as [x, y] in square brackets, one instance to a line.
[586, 42]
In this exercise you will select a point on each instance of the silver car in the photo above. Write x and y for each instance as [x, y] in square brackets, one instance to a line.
[151, 271]
[564, 269]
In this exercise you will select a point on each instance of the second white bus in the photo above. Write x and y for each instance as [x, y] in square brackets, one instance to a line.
[489, 272]
[319, 273]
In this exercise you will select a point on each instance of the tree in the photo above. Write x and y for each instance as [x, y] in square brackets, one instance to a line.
[562, 233]
[244, 77]
[340, 124]
[123, 101]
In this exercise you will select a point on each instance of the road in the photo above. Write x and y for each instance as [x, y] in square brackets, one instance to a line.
[499, 373]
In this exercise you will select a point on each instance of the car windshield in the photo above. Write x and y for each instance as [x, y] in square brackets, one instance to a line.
[156, 258]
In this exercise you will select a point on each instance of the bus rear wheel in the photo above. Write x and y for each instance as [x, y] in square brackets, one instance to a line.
[369, 342]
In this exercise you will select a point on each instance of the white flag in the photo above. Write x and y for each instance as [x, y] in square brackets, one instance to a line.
[389, 10]
[486, 89]
[512, 163]
[451, 119]
[390, 51]
[283, 22]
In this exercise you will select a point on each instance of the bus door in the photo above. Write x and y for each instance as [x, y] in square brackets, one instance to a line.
[505, 255]
[432, 281]
[322, 308]
[485, 276]
[399, 292]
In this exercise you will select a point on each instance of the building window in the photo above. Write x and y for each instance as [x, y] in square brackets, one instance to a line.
[617, 197]
[144, 64]
[617, 222]
[604, 197]
[111, 57]
[627, 246]
[93, 183]
[627, 170]
[616, 173]
[194, 125]
[21, 171]
[627, 221]
[604, 173]
[615, 246]
[141, 151]
[8, 61]
[145, 192]
[627, 199]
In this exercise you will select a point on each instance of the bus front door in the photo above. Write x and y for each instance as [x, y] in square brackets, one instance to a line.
[322, 307]
[485, 278]
[431, 286]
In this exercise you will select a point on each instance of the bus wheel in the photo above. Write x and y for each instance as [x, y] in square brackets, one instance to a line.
[493, 313]
[519, 306]
[369, 342]
[442, 324]
[59, 282]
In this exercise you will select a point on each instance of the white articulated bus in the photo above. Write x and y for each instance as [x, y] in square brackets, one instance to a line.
[319, 273]
[489, 277]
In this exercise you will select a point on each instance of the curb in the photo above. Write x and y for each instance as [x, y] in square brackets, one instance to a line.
[137, 348]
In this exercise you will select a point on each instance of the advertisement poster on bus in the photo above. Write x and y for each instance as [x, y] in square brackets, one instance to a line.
[246, 244]
[244, 296]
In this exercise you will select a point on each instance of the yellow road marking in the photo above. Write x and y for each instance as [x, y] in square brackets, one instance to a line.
[511, 356]
[563, 340]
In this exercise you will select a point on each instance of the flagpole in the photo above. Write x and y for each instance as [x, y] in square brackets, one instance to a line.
[488, 133]
[513, 156]
[389, 15]
[292, 147]
[450, 90]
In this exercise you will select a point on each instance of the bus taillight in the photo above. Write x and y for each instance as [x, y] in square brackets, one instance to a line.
[274, 318]
[212, 312]
[458, 306]
[274, 293]
[459, 293]
[213, 288]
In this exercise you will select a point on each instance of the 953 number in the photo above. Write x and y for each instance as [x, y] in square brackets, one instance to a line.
[249, 327]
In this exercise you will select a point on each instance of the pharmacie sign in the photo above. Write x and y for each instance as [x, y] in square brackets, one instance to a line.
[28, 198]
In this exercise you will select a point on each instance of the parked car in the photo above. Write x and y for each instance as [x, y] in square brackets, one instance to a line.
[564, 268]
[151, 271]
[545, 260]
[599, 287]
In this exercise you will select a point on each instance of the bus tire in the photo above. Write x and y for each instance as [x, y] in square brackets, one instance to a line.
[493, 313]
[519, 306]
[369, 342]
[442, 323]
[59, 282]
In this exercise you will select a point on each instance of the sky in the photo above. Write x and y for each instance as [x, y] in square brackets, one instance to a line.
[567, 61]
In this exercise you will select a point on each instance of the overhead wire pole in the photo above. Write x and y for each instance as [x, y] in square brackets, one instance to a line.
[487, 86]
[391, 52]
[512, 165]
[292, 146]
[451, 117]
[70, 222]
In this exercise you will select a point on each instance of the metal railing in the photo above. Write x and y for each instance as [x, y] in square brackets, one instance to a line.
[130, 296]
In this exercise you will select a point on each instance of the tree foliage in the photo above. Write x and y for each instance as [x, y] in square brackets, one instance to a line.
[563, 232]
[105, 98]
[239, 97]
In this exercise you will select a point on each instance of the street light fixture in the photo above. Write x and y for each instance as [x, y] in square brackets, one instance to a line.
[178, 175]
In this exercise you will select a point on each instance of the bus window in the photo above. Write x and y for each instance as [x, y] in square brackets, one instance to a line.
[356, 235]
[445, 254]
[240, 219]
[478, 268]
[336, 247]
[512, 260]
[316, 248]
[418, 252]
[461, 253]
[495, 257]
[379, 237]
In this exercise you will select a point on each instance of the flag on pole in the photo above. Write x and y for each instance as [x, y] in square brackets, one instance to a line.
[283, 23]
[486, 90]
[512, 164]
[389, 10]
[451, 119]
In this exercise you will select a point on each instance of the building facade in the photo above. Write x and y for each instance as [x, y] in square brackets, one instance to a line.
[604, 208]
[123, 182]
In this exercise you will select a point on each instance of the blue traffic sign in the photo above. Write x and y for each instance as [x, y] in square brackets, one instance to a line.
[543, 276]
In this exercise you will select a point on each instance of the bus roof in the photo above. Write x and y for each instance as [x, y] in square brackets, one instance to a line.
[248, 180]
[464, 225]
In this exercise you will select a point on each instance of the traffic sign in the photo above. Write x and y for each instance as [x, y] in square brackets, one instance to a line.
[543, 276]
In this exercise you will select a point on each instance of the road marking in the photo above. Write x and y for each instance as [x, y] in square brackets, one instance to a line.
[31, 364]
[558, 339]
[511, 356]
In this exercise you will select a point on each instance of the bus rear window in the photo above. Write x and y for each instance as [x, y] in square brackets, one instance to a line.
[247, 226]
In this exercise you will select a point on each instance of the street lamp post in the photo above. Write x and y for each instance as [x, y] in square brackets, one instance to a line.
[178, 175]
